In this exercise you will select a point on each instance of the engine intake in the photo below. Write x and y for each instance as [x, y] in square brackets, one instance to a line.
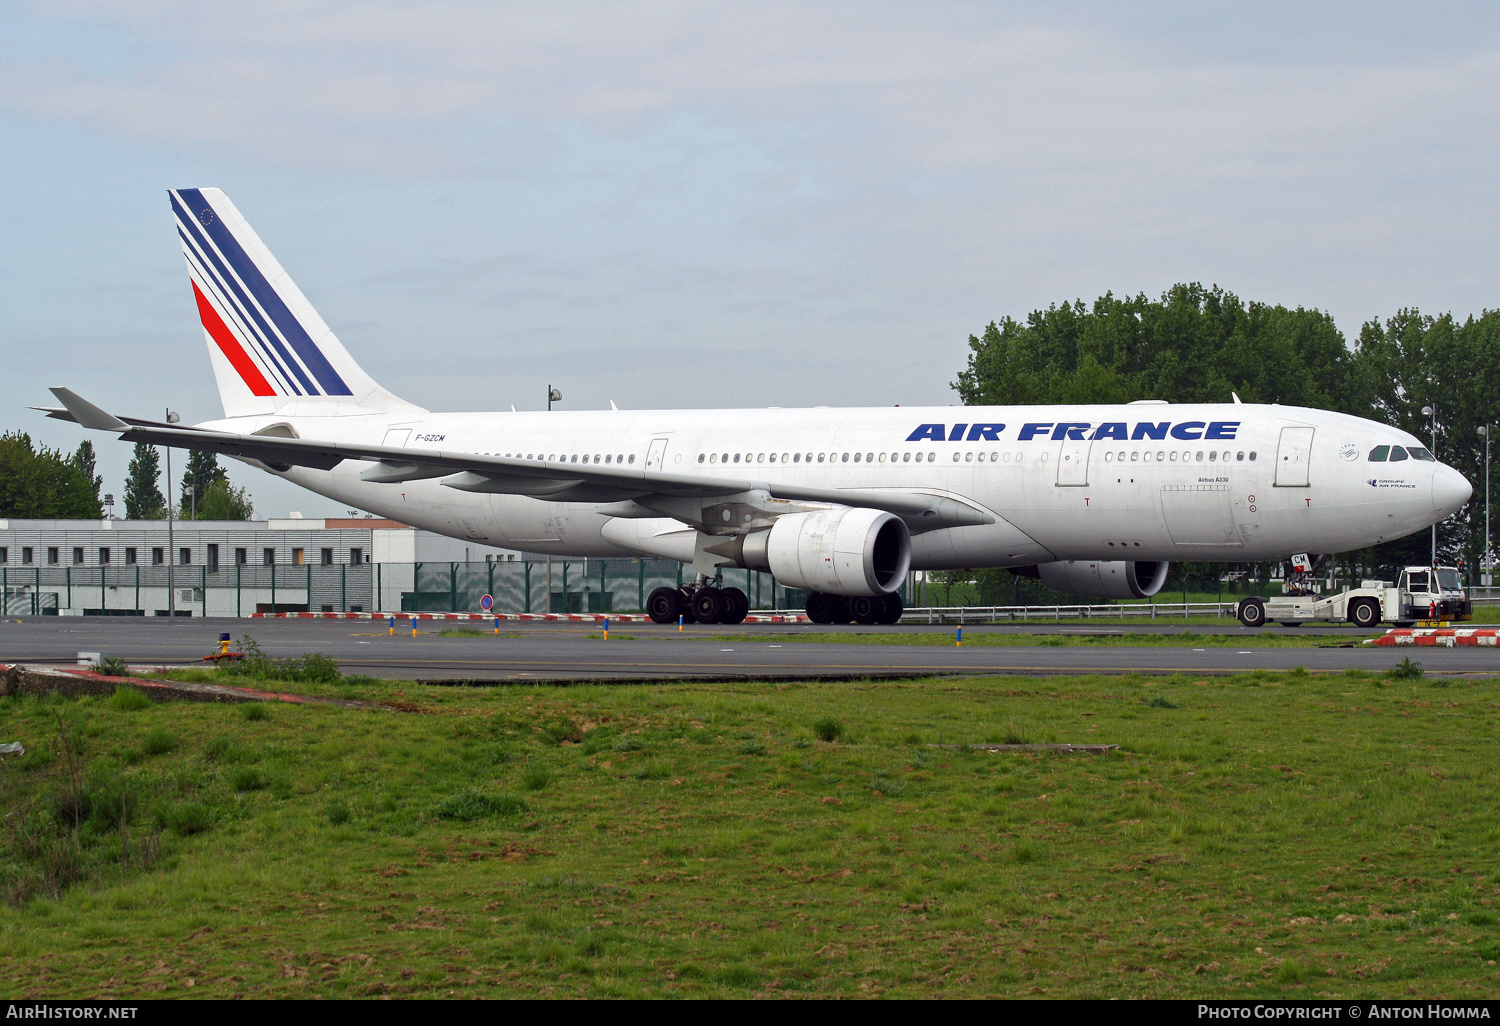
[847, 551]
[1117, 580]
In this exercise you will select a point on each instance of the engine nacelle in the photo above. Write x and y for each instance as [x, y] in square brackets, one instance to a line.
[1115, 580]
[843, 551]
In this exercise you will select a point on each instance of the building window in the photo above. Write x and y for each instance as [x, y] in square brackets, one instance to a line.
[356, 555]
[26, 554]
[268, 557]
[241, 557]
[4, 554]
[298, 557]
[327, 557]
[158, 557]
[130, 556]
[52, 554]
[103, 556]
[77, 555]
[213, 556]
[185, 556]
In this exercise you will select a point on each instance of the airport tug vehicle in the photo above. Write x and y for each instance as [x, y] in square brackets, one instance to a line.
[1422, 594]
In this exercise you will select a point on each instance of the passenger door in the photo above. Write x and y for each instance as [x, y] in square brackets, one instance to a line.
[1294, 457]
[657, 455]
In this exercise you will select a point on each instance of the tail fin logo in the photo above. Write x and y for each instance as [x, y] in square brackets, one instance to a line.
[242, 310]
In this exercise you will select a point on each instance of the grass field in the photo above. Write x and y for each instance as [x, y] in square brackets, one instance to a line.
[1267, 834]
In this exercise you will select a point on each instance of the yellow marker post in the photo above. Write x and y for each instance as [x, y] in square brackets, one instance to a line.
[679, 623]
[497, 626]
[960, 637]
[393, 626]
[414, 626]
[606, 628]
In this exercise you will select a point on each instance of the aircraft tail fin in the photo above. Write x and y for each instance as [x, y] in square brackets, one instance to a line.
[271, 352]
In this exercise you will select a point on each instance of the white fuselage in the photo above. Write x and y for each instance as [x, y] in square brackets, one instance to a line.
[1141, 481]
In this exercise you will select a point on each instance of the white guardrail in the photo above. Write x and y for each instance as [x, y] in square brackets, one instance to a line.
[992, 614]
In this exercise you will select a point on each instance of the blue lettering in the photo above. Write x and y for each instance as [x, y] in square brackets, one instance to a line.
[958, 433]
[1030, 431]
[1073, 431]
[1147, 430]
[1110, 431]
[1222, 429]
[1189, 432]
[985, 432]
[929, 431]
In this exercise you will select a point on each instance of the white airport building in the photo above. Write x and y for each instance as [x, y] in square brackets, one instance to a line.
[243, 567]
[221, 567]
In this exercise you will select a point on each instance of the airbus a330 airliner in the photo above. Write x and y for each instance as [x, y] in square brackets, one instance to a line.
[1095, 500]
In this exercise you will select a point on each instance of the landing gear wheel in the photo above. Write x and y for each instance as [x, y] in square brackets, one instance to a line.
[866, 609]
[1364, 614]
[685, 605]
[736, 606]
[1252, 612]
[708, 605]
[894, 607]
[664, 604]
[839, 610]
[820, 607]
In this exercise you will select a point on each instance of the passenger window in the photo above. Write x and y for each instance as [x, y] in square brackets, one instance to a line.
[1380, 454]
[1398, 454]
[906, 457]
[1200, 457]
[1134, 457]
[632, 458]
[846, 458]
[1239, 457]
[797, 457]
[736, 457]
[820, 457]
[1252, 457]
[856, 457]
[701, 457]
[1213, 456]
[968, 457]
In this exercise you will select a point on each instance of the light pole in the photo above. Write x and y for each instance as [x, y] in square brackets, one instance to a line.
[1428, 411]
[1488, 567]
[192, 491]
[172, 418]
[553, 396]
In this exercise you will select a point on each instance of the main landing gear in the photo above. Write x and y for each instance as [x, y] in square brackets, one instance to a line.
[865, 609]
[698, 603]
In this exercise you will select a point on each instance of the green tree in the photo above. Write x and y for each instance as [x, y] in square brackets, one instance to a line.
[202, 471]
[223, 501]
[143, 497]
[43, 483]
[1195, 344]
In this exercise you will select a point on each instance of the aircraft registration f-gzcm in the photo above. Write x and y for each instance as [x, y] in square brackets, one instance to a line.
[1094, 500]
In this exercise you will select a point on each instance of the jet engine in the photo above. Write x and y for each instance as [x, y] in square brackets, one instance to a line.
[843, 551]
[1115, 580]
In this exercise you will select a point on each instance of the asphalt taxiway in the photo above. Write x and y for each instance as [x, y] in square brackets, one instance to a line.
[555, 651]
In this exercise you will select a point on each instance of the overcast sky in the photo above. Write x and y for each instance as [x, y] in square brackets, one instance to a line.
[688, 205]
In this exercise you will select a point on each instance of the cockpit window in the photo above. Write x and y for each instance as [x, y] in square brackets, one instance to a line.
[1421, 454]
[1397, 454]
[1449, 579]
[1380, 454]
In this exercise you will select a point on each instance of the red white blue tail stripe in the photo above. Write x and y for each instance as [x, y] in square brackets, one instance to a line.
[243, 311]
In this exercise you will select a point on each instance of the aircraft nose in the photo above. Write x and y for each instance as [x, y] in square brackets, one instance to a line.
[1450, 490]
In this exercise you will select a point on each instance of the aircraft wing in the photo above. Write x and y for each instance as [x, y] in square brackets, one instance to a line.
[476, 472]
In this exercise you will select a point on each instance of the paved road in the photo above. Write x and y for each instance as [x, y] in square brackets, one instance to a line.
[556, 651]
